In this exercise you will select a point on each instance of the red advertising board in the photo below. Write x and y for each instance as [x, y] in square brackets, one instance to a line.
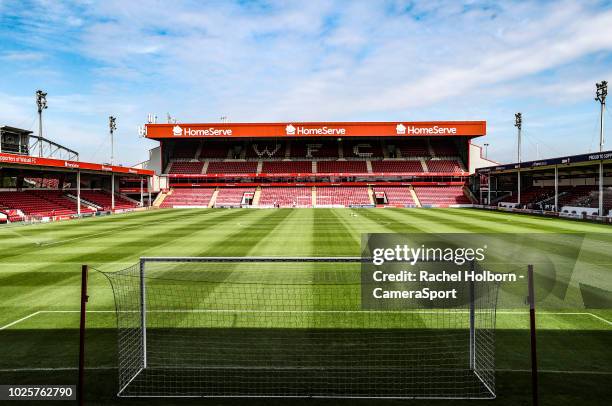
[317, 129]
[60, 163]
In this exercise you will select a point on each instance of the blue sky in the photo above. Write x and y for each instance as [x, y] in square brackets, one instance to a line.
[307, 60]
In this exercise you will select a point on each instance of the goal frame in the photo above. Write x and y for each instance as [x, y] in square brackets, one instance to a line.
[341, 259]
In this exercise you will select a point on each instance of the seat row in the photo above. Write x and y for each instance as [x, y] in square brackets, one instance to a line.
[39, 202]
[389, 166]
[312, 149]
[301, 196]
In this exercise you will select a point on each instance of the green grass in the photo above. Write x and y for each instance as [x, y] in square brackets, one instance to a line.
[40, 272]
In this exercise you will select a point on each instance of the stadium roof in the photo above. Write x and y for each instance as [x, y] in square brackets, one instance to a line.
[36, 163]
[15, 129]
[317, 129]
[572, 160]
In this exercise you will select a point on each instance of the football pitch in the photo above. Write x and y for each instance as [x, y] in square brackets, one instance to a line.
[40, 291]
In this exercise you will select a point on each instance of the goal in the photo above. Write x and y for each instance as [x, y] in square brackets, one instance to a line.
[291, 327]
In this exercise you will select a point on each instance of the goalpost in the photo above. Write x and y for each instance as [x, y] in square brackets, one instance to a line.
[291, 327]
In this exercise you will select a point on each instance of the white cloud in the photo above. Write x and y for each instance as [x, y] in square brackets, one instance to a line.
[22, 56]
[324, 60]
[17, 111]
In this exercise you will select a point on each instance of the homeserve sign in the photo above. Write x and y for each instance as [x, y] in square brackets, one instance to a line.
[290, 129]
[177, 131]
[401, 129]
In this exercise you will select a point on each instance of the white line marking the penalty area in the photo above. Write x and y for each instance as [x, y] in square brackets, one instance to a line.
[20, 320]
[554, 371]
[112, 230]
[110, 368]
[45, 369]
[302, 311]
[51, 311]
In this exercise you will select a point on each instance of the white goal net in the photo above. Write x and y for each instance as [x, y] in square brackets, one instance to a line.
[291, 327]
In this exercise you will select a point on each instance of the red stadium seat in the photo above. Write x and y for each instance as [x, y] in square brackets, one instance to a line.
[342, 195]
[363, 149]
[231, 196]
[341, 166]
[534, 194]
[412, 148]
[396, 194]
[287, 167]
[444, 148]
[104, 199]
[41, 203]
[397, 166]
[43, 182]
[441, 195]
[286, 197]
[232, 167]
[186, 149]
[444, 166]
[186, 167]
[313, 149]
[188, 197]
[573, 195]
[265, 150]
[212, 150]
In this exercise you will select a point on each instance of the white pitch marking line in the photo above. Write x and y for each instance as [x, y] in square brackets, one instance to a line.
[108, 368]
[52, 369]
[20, 320]
[564, 313]
[600, 318]
[51, 311]
[112, 230]
[76, 311]
[553, 371]
[35, 241]
[299, 311]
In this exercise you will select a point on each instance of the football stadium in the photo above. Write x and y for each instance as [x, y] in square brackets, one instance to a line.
[378, 256]
[294, 191]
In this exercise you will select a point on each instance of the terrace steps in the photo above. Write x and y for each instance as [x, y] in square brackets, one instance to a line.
[415, 197]
[213, 198]
[257, 196]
